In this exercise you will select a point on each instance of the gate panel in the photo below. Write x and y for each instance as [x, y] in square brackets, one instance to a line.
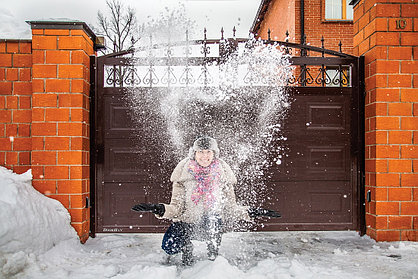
[316, 186]
[313, 183]
[131, 170]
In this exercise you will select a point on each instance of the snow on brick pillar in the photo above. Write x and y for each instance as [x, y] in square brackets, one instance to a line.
[15, 104]
[60, 116]
[385, 33]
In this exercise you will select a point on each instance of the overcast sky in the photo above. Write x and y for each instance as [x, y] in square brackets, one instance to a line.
[213, 14]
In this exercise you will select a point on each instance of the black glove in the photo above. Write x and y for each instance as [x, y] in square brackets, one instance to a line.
[254, 212]
[158, 209]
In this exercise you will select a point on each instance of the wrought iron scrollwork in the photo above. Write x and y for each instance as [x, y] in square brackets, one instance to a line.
[205, 77]
[287, 49]
[132, 78]
[187, 77]
[150, 77]
[116, 76]
[112, 76]
[205, 50]
[169, 77]
[340, 78]
[305, 76]
[251, 77]
[322, 78]
[160, 66]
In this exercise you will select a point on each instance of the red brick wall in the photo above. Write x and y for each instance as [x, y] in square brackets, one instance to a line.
[44, 113]
[15, 104]
[391, 115]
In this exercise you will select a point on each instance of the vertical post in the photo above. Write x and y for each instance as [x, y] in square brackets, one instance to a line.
[391, 103]
[60, 116]
[323, 73]
[205, 52]
[92, 150]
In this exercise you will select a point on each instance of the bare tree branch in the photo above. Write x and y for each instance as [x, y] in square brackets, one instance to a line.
[120, 25]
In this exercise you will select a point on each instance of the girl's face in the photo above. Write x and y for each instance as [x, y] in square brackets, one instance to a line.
[204, 157]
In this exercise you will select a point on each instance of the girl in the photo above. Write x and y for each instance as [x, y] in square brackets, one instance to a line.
[202, 200]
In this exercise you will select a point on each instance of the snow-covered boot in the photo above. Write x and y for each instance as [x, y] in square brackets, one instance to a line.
[213, 249]
[187, 254]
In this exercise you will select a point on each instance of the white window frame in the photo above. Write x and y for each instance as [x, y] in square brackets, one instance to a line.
[338, 10]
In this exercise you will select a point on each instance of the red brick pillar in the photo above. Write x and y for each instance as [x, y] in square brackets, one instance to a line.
[60, 115]
[385, 33]
[15, 104]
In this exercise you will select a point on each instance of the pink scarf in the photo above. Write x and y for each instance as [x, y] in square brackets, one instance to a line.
[207, 181]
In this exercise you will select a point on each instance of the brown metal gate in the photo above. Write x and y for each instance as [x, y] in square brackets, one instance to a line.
[319, 184]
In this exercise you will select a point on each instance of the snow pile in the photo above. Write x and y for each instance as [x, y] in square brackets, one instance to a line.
[30, 222]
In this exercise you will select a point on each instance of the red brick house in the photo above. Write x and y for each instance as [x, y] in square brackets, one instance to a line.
[307, 19]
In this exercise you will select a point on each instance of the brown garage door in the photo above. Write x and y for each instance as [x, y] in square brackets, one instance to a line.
[130, 170]
[317, 186]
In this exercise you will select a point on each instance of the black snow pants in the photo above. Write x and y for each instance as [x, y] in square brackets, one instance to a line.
[178, 236]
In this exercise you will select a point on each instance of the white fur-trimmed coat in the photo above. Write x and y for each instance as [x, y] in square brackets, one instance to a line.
[182, 208]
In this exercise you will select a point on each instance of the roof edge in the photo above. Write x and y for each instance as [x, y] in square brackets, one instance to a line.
[262, 9]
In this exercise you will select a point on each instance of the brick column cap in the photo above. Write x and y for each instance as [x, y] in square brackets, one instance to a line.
[68, 24]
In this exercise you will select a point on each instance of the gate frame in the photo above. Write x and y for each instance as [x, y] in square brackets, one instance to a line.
[357, 108]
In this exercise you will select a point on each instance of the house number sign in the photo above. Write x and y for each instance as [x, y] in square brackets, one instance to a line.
[400, 24]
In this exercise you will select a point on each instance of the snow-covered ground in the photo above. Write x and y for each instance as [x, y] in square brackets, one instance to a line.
[243, 255]
[36, 241]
